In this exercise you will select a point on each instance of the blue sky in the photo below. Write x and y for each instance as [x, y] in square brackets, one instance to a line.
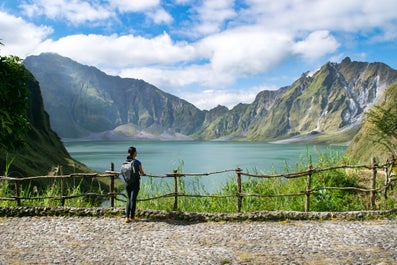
[213, 52]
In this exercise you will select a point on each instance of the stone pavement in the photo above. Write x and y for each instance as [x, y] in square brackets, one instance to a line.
[108, 240]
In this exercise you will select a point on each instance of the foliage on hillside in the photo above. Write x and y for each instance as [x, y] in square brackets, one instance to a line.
[369, 142]
[29, 146]
[13, 103]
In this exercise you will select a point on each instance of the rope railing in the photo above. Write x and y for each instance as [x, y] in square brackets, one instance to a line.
[112, 175]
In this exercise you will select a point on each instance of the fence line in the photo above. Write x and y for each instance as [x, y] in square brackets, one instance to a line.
[112, 175]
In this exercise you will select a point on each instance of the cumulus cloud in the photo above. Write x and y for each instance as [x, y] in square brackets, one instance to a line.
[160, 16]
[334, 15]
[171, 78]
[211, 98]
[212, 14]
[245, 51]
[29, 35]
[134, 6]
[76, 12]
[316, 45]
[212, 45]
[119, 51]
[188, 83]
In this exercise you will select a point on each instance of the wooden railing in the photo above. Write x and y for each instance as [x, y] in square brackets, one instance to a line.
[372, 191]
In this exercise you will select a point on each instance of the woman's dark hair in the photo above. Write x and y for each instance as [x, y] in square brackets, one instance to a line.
[131, 150]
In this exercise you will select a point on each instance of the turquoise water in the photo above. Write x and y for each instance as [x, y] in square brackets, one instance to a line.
[162, 157]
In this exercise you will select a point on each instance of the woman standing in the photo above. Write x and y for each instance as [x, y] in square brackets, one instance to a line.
[133, 189]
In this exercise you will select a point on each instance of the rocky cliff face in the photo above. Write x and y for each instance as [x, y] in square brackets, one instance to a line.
[366, 144]
[331, 100]
[83, 101]
[43, 150]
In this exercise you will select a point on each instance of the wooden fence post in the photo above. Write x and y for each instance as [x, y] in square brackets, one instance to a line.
[111, 189]
[389, 166]
[239, 189]
[62, 187]
[386, 169]
[18, 190]
[175, 191]
[308, 187]
[373, 184]
[62, 192]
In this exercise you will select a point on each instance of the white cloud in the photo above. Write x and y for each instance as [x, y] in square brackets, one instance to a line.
[359, 17]
[27, 38]
[119, 51]
[316, 45]
[226, 59]
[160, 16]
[187, 83]
[230, 41]
[170, 79]
[76, 12]
[245, 51]
[184, 2]
[134, 5]
[151, 8]
[212, 14]
[210, 98]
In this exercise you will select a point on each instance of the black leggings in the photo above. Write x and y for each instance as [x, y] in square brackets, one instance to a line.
[132, 192]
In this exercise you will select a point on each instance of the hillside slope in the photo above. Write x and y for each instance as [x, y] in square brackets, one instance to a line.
[328, 102]
[325, 106]
[364, 145]
[83, 101]
[44, 149]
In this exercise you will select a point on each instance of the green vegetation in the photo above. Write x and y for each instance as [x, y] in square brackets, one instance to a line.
[14, 100]
[377, 136]
[270, 190]
[385, 124]
[28, 146]
[321, 200]
[44, 196]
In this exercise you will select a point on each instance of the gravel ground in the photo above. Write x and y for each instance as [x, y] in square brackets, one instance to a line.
[108, 240]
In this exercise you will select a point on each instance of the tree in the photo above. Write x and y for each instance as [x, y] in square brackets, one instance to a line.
[14, 102]
[385, 123]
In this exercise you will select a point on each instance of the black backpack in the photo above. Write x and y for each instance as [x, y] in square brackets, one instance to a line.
[129, 173]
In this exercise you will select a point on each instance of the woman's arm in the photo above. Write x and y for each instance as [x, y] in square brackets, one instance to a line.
[141, 170]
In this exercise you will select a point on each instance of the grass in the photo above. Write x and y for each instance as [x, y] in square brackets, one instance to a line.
[43, 197]
[271, 189]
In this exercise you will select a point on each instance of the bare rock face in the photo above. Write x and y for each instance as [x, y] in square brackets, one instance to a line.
[83, 101]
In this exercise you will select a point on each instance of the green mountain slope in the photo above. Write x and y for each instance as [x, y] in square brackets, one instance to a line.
[83, 101]
[44, 150]
[324, 106]
[234, 124]
[330, 102]
[364, 145]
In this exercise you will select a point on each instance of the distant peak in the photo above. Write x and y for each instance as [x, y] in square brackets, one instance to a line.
[346, 60]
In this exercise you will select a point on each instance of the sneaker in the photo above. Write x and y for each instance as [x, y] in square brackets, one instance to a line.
[127, 220]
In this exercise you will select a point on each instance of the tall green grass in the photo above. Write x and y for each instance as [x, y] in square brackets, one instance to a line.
[321, 200]
[41, 197]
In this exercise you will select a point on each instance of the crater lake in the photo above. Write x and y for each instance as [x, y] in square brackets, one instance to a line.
[162, 157]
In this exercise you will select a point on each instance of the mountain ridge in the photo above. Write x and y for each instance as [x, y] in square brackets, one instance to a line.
[320, 104]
